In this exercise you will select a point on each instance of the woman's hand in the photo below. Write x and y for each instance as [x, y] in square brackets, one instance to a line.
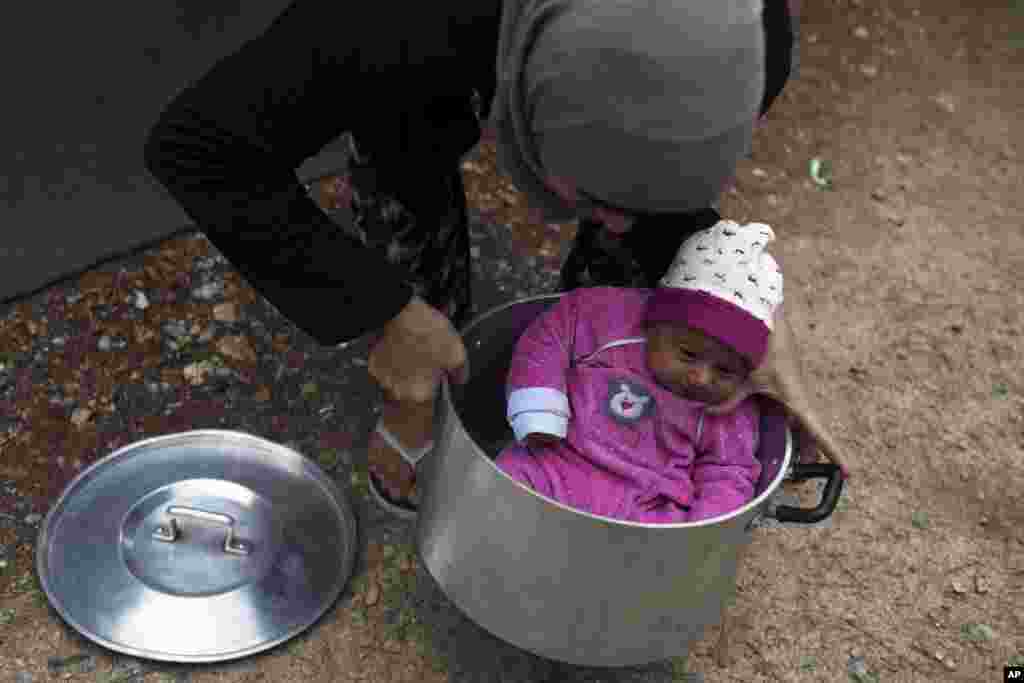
[781, 377]
[413, 352]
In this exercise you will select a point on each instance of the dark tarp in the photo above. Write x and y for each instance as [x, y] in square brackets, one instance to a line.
[83, 83]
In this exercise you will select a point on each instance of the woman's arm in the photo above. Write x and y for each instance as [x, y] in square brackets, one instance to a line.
[227, 147]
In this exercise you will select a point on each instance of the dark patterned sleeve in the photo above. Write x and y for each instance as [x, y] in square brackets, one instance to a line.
[226, 149]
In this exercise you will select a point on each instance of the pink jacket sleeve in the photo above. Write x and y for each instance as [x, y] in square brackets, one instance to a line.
[536, 391]
[726, 469]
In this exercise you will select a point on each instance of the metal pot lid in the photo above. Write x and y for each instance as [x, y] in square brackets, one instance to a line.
[201, 546]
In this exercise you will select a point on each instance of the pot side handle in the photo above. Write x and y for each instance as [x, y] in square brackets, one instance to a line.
[829, 497]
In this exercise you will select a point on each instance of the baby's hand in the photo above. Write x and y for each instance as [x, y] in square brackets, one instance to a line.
[541, 440]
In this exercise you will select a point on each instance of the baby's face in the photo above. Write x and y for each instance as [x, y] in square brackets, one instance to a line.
[694, 365]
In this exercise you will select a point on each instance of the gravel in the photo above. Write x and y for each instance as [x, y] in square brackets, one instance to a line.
[474, 654]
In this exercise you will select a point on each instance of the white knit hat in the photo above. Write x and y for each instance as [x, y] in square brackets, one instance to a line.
[728, 262]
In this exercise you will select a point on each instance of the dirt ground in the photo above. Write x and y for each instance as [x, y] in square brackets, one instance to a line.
[902, 280]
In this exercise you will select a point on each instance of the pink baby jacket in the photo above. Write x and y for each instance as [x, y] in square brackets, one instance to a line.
[629, 448]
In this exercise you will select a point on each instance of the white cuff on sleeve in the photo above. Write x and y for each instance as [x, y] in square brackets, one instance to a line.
[538, 409]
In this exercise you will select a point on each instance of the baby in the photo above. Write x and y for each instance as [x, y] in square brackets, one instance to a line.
[607, 389]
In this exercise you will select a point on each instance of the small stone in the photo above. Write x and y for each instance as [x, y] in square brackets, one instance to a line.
[372, 594]
[869, 70]
[105, 343]
[208, 291]
[861, 32]
[857, 667]
[759, 173]
[59, 341]
[80, 416]
[951, 665]
[981, 584]
[126, 668]
[474, 252]
[812, 38]
[195, 373]
[983, 521]
[144, 334]
[878, 195]
[176, 329]
[33, 518]
[75, 664]
[237, 347]
[141, 302]
[226, 312]
[940, 655]
[946, 102]
[959, 586]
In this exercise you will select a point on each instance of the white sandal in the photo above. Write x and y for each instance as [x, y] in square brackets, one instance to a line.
[399, 508]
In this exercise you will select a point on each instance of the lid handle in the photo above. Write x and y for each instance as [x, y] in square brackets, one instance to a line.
[169, 532]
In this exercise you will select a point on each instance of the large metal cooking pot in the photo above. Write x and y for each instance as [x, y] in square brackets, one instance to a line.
[564, 584]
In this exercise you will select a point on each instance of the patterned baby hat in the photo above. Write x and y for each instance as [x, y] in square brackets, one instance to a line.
[725, 284]
[729, 261]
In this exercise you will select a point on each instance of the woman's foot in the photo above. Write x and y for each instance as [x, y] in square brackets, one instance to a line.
[409, 426]
[394, 476]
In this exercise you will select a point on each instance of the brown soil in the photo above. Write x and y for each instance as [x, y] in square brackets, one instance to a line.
[903, 287]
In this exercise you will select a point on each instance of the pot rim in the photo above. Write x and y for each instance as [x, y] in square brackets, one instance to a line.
[449, 408]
